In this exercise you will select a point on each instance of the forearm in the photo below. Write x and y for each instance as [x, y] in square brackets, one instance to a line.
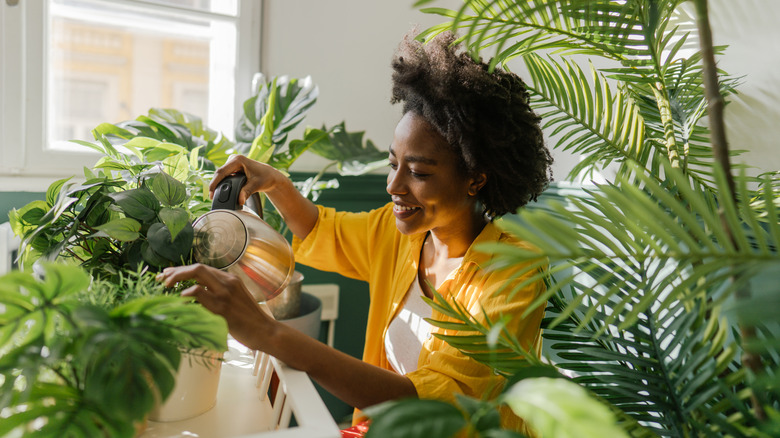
[299, 213]
[355, 382]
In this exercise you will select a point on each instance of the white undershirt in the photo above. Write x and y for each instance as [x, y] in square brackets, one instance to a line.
[408, 330]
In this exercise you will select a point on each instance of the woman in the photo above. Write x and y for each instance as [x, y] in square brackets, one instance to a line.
[467, 149]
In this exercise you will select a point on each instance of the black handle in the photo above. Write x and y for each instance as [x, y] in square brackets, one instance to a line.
[226, 195]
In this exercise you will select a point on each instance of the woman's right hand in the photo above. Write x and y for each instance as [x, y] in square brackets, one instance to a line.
[226, 295]
[260, 177]
[299, 213]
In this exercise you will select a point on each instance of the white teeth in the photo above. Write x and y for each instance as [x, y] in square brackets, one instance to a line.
[402, 208]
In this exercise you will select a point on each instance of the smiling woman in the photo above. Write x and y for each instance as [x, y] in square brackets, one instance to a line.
[467, 149]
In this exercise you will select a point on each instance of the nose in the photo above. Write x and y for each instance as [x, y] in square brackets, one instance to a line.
[395, 183]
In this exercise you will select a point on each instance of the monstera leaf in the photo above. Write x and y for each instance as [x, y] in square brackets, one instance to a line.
[274, 110]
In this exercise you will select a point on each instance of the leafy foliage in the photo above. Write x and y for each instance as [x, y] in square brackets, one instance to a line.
[109, 223]
[661, 280]
[64, 360]
[275, 109]
[646, 109]
[70, 344]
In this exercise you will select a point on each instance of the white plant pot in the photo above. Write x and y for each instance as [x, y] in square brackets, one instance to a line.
[195, 391]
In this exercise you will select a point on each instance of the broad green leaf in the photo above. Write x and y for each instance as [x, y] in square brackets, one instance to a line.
[177, 166]
[109, 163]
[60, 280]
[175, 219]
[560, 408]
[163, 151]
[143, 143]
[149, 255]
[54, 190]
[28, 217]
[176, 250]
[139, 204]
[90, 145]
[414, 418]
[347, 149]
[124, 229]
[262, 146]
[169, 190]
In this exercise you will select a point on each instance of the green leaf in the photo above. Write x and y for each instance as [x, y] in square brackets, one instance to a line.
[176, 250]
[347, 149]
[560, 408]
[150, 256]
[139, 204]
[168, 189]
[54, 190]
[163, 151]
[28, 217]
[124, 229]
[414, 418]
[175, 219]
[262, 146]
[288, 100]
[177, 166]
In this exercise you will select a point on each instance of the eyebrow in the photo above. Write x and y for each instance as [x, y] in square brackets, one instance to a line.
[417, 158]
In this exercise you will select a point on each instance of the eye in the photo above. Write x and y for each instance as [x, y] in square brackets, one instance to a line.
[419, 175]
[393, 166]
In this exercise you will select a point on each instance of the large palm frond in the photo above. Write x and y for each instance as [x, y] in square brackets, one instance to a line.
[646, 37]
[674, 371]
[632, 32]
[630, 240]
[593, 119]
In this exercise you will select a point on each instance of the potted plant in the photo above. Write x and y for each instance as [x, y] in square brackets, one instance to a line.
[81, 356]
[660, 280]
[133, 213]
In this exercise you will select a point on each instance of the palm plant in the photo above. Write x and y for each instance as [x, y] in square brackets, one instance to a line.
[649, 300]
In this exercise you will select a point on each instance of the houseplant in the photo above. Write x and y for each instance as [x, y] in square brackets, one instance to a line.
[134, 212]
[76, 360]
[658, 278]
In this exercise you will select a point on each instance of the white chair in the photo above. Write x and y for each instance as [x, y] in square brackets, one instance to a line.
[328, 293]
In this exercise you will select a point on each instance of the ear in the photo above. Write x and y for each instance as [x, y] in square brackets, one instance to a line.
[478, 181]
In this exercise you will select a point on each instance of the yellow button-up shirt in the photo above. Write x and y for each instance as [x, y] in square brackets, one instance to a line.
[368, 246]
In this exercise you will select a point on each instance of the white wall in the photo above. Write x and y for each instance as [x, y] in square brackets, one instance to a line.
[750, 29]
[347, 45]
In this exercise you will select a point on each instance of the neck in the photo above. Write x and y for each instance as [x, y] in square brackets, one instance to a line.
[455, 242]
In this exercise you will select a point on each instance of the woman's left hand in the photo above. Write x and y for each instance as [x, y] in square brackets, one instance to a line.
[224, 294]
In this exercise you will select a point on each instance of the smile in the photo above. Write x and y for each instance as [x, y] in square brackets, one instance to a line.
[403, 212]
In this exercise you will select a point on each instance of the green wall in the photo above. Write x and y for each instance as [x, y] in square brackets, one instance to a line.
[11, 200]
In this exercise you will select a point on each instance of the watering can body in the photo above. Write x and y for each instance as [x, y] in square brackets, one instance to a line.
[238, 240]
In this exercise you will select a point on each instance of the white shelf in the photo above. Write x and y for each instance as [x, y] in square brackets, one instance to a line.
[244, 410]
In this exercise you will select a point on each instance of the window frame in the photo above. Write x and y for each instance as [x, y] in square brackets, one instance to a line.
[26, 162]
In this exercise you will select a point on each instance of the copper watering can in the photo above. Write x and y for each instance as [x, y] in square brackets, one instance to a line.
[238, 240]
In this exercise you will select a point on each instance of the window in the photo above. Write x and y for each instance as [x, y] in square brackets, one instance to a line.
[68, 65]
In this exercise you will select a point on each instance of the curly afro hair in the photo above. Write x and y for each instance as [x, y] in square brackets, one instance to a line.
[485, 117]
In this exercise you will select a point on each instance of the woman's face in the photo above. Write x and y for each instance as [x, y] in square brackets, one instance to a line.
[425, 184]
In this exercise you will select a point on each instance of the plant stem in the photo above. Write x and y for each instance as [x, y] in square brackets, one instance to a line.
[665, 110]
[715, 104]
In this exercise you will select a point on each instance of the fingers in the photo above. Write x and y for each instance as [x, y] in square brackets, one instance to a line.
[234, 164]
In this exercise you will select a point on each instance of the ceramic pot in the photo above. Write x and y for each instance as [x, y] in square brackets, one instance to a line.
[195, 391]
[309, 319]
